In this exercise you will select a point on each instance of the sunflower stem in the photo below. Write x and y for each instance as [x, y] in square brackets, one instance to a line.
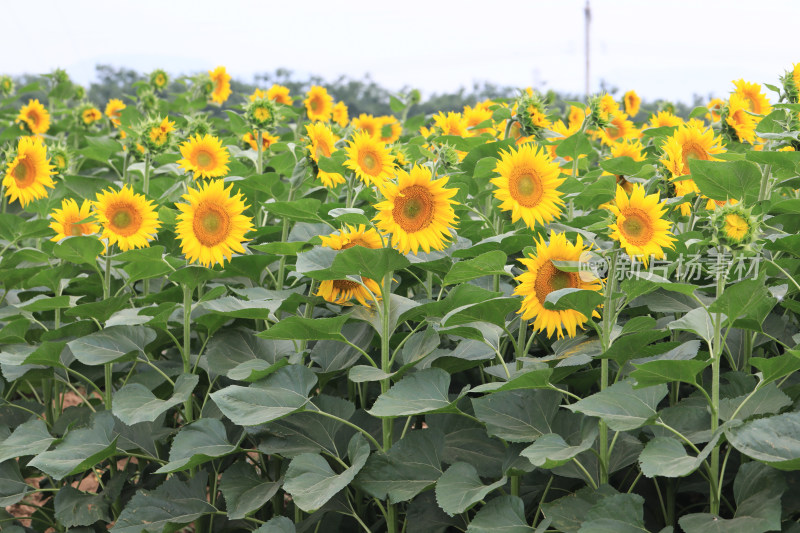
[284, 236]
[386, 353]
[521, 350]
[260, 160]
[187, 346]
[146, 189]
[765, 176]
[716, 358]
[609, 308]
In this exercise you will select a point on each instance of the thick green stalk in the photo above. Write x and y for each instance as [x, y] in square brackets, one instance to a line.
[609, 309]
[716, 358]
[146, 189]
[520, 353]
[386, 354]
[765, 175]
[106, 293]
[187, 346]
[260, 160]
[284, 236]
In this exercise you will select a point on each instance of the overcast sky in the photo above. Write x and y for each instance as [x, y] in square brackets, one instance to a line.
[667, 49]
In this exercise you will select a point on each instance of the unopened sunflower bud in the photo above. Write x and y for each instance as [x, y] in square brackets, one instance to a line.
[735, 226]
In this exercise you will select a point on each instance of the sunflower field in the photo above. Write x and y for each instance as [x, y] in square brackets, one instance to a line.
[253, 312]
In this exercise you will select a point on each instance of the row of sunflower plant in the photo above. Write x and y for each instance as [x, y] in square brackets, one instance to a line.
[516, 317]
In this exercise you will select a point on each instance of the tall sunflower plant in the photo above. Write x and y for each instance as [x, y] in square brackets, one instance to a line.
[266, 311]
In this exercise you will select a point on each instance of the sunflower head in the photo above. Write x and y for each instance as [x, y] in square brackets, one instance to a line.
[389, 129]
[88, 115]
[211, 225]
[61, 159]
[204, 157]
[267, 140]
[34, 117]
[639, 226]
[366, 123]
[532, 113]
[6, 86]
[29, 172]
[664, 118]
[417, 211]
[113, 110]
[340, 115]
[542, 277]
[597, 113]
[452, 124]
[737, 121]
[714, 107]
[73, 221]
[159, 80]
[342, 292]
[319, 104]
[755, 100]
[690, 141]
[631, 101]
[128, 219]
[279, 94]
[221, 81]
[478, 115]
[369, 158]
[619, 127]
[261, 113]
[155, 134]
[791, 84]
[735, 227]
[199, 124]
[146, 100]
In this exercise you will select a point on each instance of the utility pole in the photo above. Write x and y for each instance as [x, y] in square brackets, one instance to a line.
[587, 11]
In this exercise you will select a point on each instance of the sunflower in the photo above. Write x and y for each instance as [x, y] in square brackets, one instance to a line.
[542, 277]
[114, 109]
[369, 158]
[715, 109]
[280, 94]
[322, 141]
[627, 148]
[619, 127]
[452, 124]
[527, 185]
[341, 291]
[157, 136]
[632, 101]
[576, 117]
[389, 129]
[267, 140]
[159, 79]
[751, 92]
[478, 115]
[740, 120]
[664, 119]
[211, 226]
[608, 106]
[639, 227]
[222, 85]
[367, 123]
[90, 115]
[340, 115]
[29, 172]
[69, 220]
[35, 117]
[319, 104]
[690, 142]
[418, 211]
[204, 157]
[128, 219]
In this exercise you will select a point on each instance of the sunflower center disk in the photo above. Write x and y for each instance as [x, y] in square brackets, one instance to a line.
[637, 228]
[125, 219]
[345, 285]
[323, 150]
[211, 225]
[24, 173]
[204, 159]
[692, 150]
[370, 162]
[526, 188]
[413, 210]
[549, 279]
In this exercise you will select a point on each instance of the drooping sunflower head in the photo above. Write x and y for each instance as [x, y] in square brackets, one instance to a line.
[369, 158]
[222, 85]
[342, 292]
[340, 115]
[543, 277]
[60, 158]
[212, 224]
[756, 101]
[389, 129]
[279, 94]
[715, 106]
[632, 101]
[88, 115]
[319, 104]
[71, 220]
[6, 86]
[664, 119]
[34, 117]
[737, 120]
[204, 157]
[528, 185]
[452, 124]
[690, 142]
[29, 172]
[735, 226]
[267, 140]
[261, 113]
[128, 219]
[639, 224]
[114, 109]
[366, 123]
[159, 79]
[417, 211]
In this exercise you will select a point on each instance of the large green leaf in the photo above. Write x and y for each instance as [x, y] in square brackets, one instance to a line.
[518, 415]
[80, 450]
[425, 391]
[572, 435]
[12, 487]
[745, 304]
[581, 300]
[324, 263]
[197, 443]
[278, 524]
[312, 482]
[620, 513]
[621, 406]
[505, 514]
[280, 394]
[74, 508]
[112, 344]
[774, 440]
[244, 490]
[460, 488]
[724, 180]
[81, 250]
[490, 263]
[299, 328]
[667, 457]
[231, 348]
[30, 438]
[134, 402]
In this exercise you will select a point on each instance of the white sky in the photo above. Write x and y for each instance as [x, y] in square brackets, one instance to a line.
[663, 49]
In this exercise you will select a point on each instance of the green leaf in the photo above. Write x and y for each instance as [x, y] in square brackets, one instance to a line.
[490, 263]
[304, 209]
[282, 393]
[675, 365]
[493, 311]
[112, 344]
[412, 465]
[74, 508]
[620, 513]
[197, 443]
[574, 145]
[192, 275]
[310, 329]
[745, 304]
[460, 488]
[81, 250]
[312, 482]
[641, 283]
[698, 321]
[80, 450]
[767, 400]
[324, 263]
[135, 403]
[552, 449]
[278, 524]
[100, 148]
[236, 308]
[173, 503]
[724, 180]
[667, 457]
[583, 301]
[538, 378]
[30, 438]
[364, 373]
[776, 367]
[100, 310]
[232, 348]
[504, 514]
[244, 490]
[622, 166]
[425, 391]
[774, 440]
[621, 406]
[518, 415]
[12, 487]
